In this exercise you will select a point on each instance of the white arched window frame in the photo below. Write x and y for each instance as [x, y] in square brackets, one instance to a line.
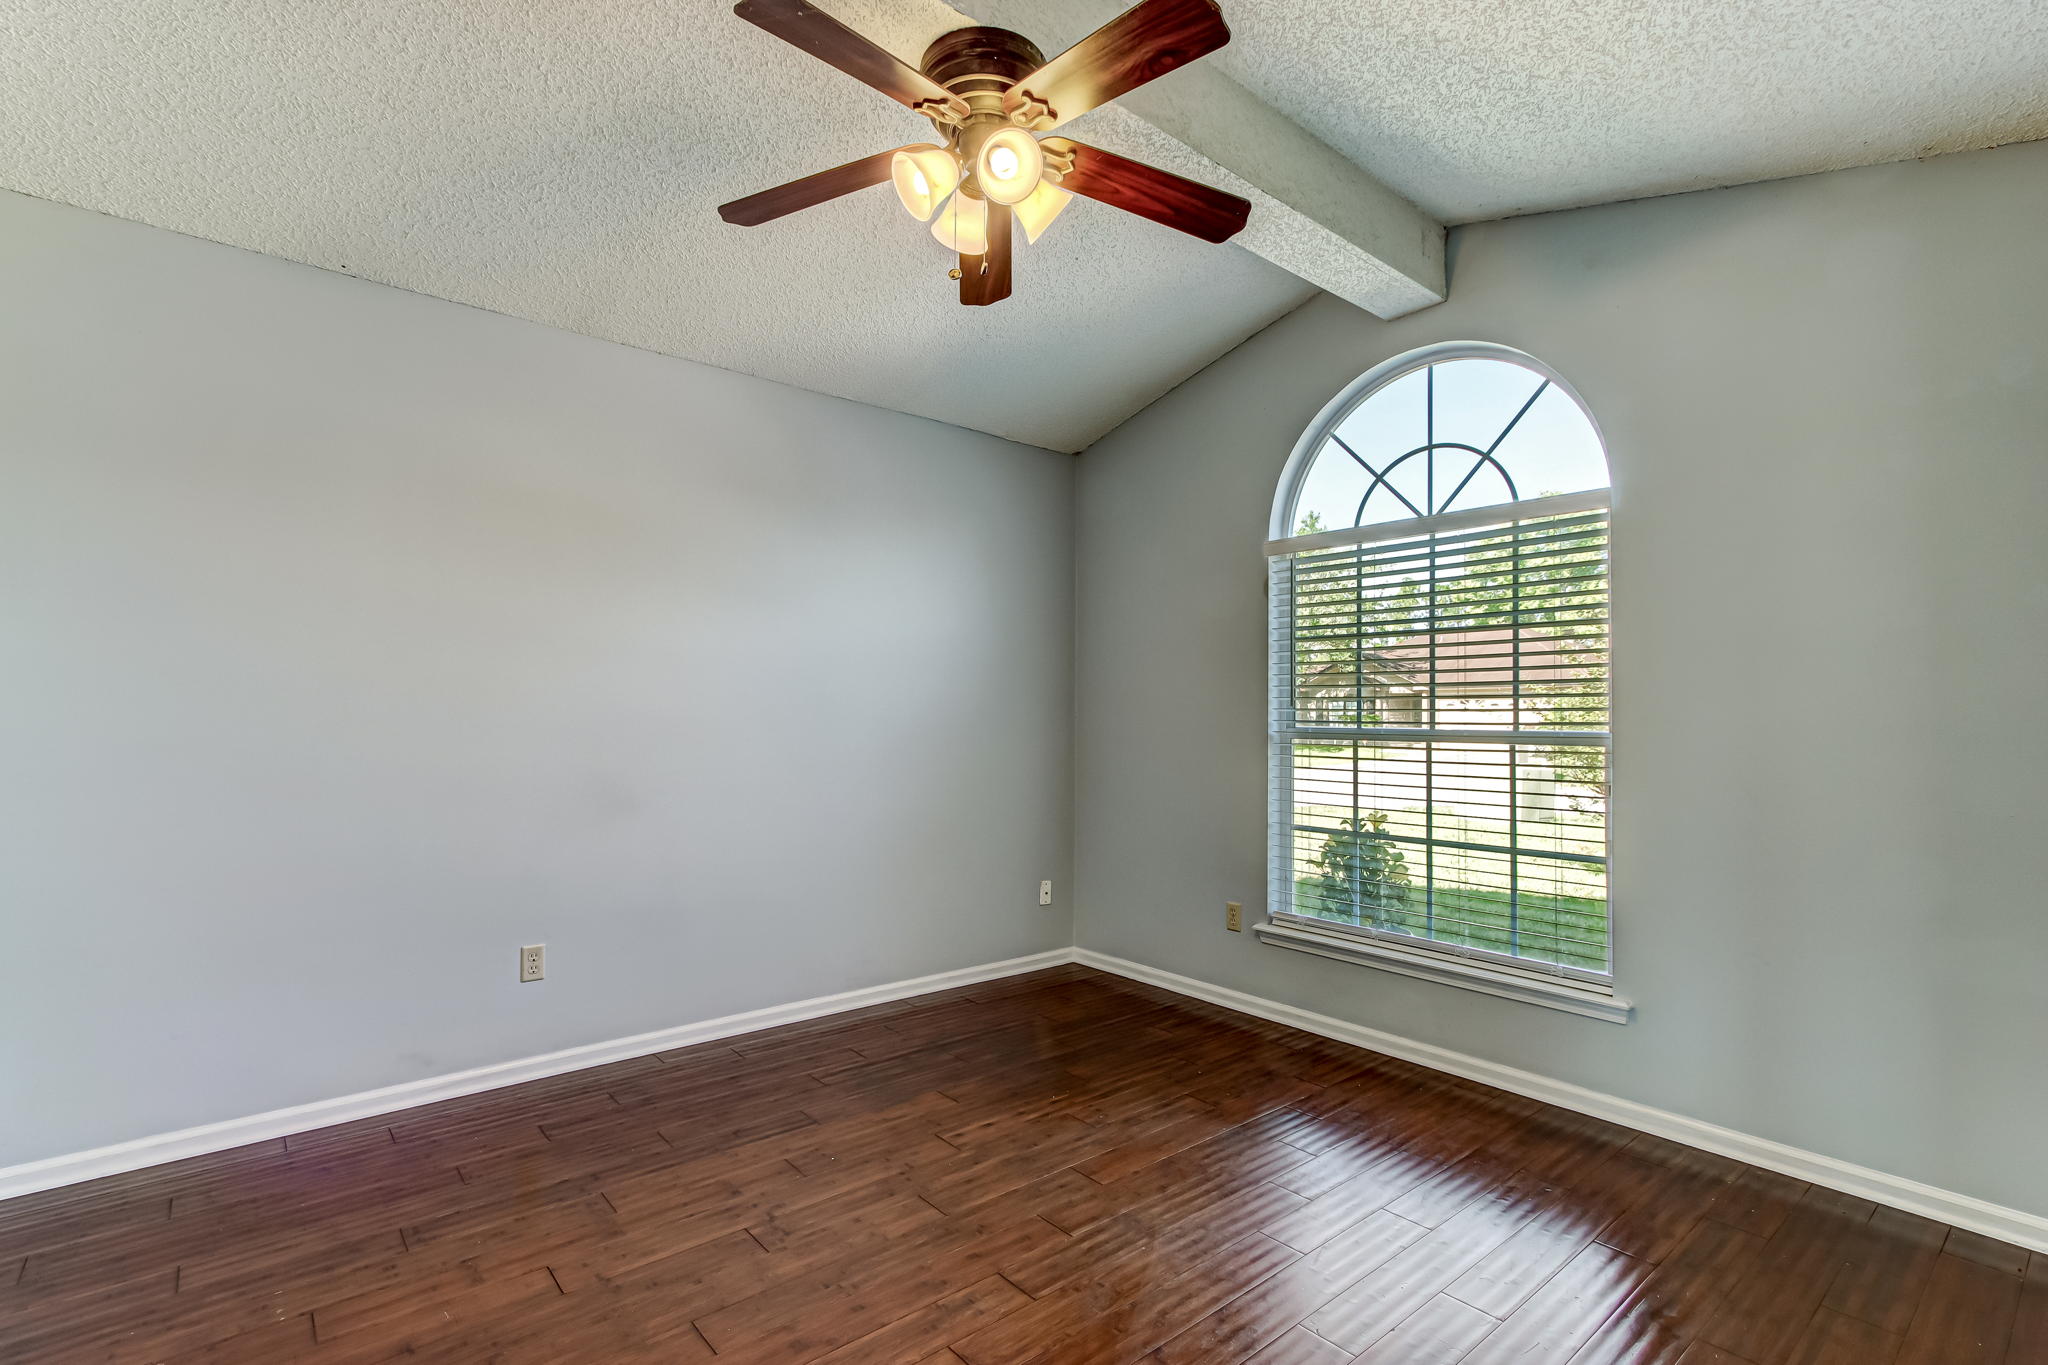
[1438, 716]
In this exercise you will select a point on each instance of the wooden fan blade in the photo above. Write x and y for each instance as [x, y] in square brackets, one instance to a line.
[769, 205]
[1137, 46]
[986, 279]
[833, 43]
[1149, 192]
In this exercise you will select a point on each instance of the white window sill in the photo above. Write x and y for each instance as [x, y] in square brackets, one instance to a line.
[1530, 990]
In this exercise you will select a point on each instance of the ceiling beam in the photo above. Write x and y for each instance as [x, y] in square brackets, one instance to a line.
[1314, 212]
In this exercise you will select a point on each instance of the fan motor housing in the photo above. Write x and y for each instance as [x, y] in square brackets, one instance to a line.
[978, 64]
[977, 60]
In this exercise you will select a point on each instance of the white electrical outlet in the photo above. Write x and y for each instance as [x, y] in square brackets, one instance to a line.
[533, 961]
[1233, 916]
[1045, 893]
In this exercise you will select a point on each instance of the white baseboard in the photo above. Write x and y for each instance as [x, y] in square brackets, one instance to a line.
[1961, 1210]
[214, 1137]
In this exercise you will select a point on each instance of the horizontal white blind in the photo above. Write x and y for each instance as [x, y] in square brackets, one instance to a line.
[1440, 734]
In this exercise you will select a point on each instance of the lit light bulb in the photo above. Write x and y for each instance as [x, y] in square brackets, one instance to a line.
[923, 175]
[962, 226]
[1040, 207]
[1010, 166]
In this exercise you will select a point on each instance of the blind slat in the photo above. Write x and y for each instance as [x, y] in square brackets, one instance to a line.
[1440, 734]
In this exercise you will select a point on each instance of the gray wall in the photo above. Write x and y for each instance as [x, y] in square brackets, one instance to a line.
[1827, 408]
[351, 639]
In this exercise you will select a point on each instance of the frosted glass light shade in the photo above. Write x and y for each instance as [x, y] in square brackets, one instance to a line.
[1040, 207]
[1009, 166]
[923, 175]
[962, 226]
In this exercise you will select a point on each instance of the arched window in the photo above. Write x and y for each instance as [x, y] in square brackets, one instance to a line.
[1440, 667]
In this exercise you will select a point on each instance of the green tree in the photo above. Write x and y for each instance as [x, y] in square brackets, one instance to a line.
[1332, 670]
[1546, 586]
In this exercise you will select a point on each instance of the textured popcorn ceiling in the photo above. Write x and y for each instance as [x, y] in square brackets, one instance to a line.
[560, 160]
[1478, 109]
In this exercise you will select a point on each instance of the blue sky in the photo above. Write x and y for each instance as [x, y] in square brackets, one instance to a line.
[1553, 449]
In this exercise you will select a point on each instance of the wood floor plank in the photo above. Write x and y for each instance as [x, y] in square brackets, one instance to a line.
[923, 1334]
[1163, 1142]
[1062, 1168]
[1301, 1347]
[664, 1296]
[1975, 1246]
[1965, 1317]
[851, 1299]
[1507, 1276]
[1362, 1195]
[1767, 1311]
[1662, 1316]
[1833, 1338]
[1441, 1332]
[1888, 1267]
[1197, 1218]
[1686, 1184]
[1142, 1321]
[1706, 1353]
[2030, 1323]
[1073, 1303]
[1566, 1311]
[1382, 1300]
[290, 1339]
[1270, 1310]
[429, 1322]
[1757, 1201]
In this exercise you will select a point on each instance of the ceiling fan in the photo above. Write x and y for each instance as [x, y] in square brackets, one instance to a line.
[989, 92]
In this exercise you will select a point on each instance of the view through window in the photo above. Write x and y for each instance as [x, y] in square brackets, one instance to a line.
[1440, 686]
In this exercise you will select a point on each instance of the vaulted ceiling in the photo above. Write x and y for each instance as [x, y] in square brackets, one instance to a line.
[562, 161]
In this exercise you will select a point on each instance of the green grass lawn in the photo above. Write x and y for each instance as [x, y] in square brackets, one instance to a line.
[1571, 930]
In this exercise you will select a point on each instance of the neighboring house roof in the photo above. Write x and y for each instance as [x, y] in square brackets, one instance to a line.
[1471, 662]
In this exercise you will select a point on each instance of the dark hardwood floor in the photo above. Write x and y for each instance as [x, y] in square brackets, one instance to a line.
[1063, 1168]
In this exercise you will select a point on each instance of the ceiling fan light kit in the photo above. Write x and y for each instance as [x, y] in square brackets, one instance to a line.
[1009, 166]
[1040, 207]
[962, 226]
[990, 93]
[924, 176]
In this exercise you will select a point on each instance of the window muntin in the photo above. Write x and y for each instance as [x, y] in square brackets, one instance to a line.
[1449, 436]
[1439, 717]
